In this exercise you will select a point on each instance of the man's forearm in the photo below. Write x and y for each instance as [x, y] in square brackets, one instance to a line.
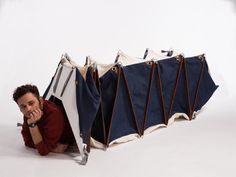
[35, 134]
[35, 116]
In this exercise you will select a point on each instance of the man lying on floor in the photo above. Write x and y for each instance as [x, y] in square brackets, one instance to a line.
[45, 126]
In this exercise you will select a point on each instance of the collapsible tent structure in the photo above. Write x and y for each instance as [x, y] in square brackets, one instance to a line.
[72, 87]
[115, 103]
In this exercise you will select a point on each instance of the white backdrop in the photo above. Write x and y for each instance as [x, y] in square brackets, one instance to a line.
[34, 34]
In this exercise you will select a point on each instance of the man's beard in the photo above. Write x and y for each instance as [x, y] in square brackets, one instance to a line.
[40, 106]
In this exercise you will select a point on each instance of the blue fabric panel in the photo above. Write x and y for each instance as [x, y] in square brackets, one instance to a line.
[108, 83]
[137, 77]
[168, 73]
[155, 114]
[97, 128]
[88, 101]
[122, 122]
[193, 66]
[180, 104]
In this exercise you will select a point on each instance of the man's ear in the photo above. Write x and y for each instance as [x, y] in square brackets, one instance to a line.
[41, 99]
[41, 102]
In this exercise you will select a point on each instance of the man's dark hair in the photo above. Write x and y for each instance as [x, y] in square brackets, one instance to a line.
[22, 90]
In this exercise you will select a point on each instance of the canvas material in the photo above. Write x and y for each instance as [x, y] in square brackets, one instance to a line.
[77, 103]
[126, 60]
[121, 126]
[158, 55]
[68, 100]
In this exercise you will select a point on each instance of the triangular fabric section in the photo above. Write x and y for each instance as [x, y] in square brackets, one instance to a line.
[180, 102]
[168, 69]
[137, 77]
[87, 100]
[108, 84]
[155, 113]
[193, 69]
[123, 120]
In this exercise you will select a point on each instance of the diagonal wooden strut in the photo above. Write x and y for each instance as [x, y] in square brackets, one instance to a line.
[175, 87]
[114, 104]
[148, 96]
[187, 89]
[131, 103]
[198, 86]
[159, 83]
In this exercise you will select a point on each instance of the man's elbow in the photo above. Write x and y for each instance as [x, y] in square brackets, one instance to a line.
[42, 149]
[43, 153]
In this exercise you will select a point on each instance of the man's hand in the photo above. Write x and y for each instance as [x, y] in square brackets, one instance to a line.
[60, 148]
[35, 116]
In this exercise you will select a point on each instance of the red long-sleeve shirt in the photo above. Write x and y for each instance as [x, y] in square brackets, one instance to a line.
[53, 126]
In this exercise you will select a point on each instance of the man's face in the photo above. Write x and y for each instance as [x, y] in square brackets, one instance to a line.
[28, 103]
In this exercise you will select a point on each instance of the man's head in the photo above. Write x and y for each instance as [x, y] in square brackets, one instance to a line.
[28, 99]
